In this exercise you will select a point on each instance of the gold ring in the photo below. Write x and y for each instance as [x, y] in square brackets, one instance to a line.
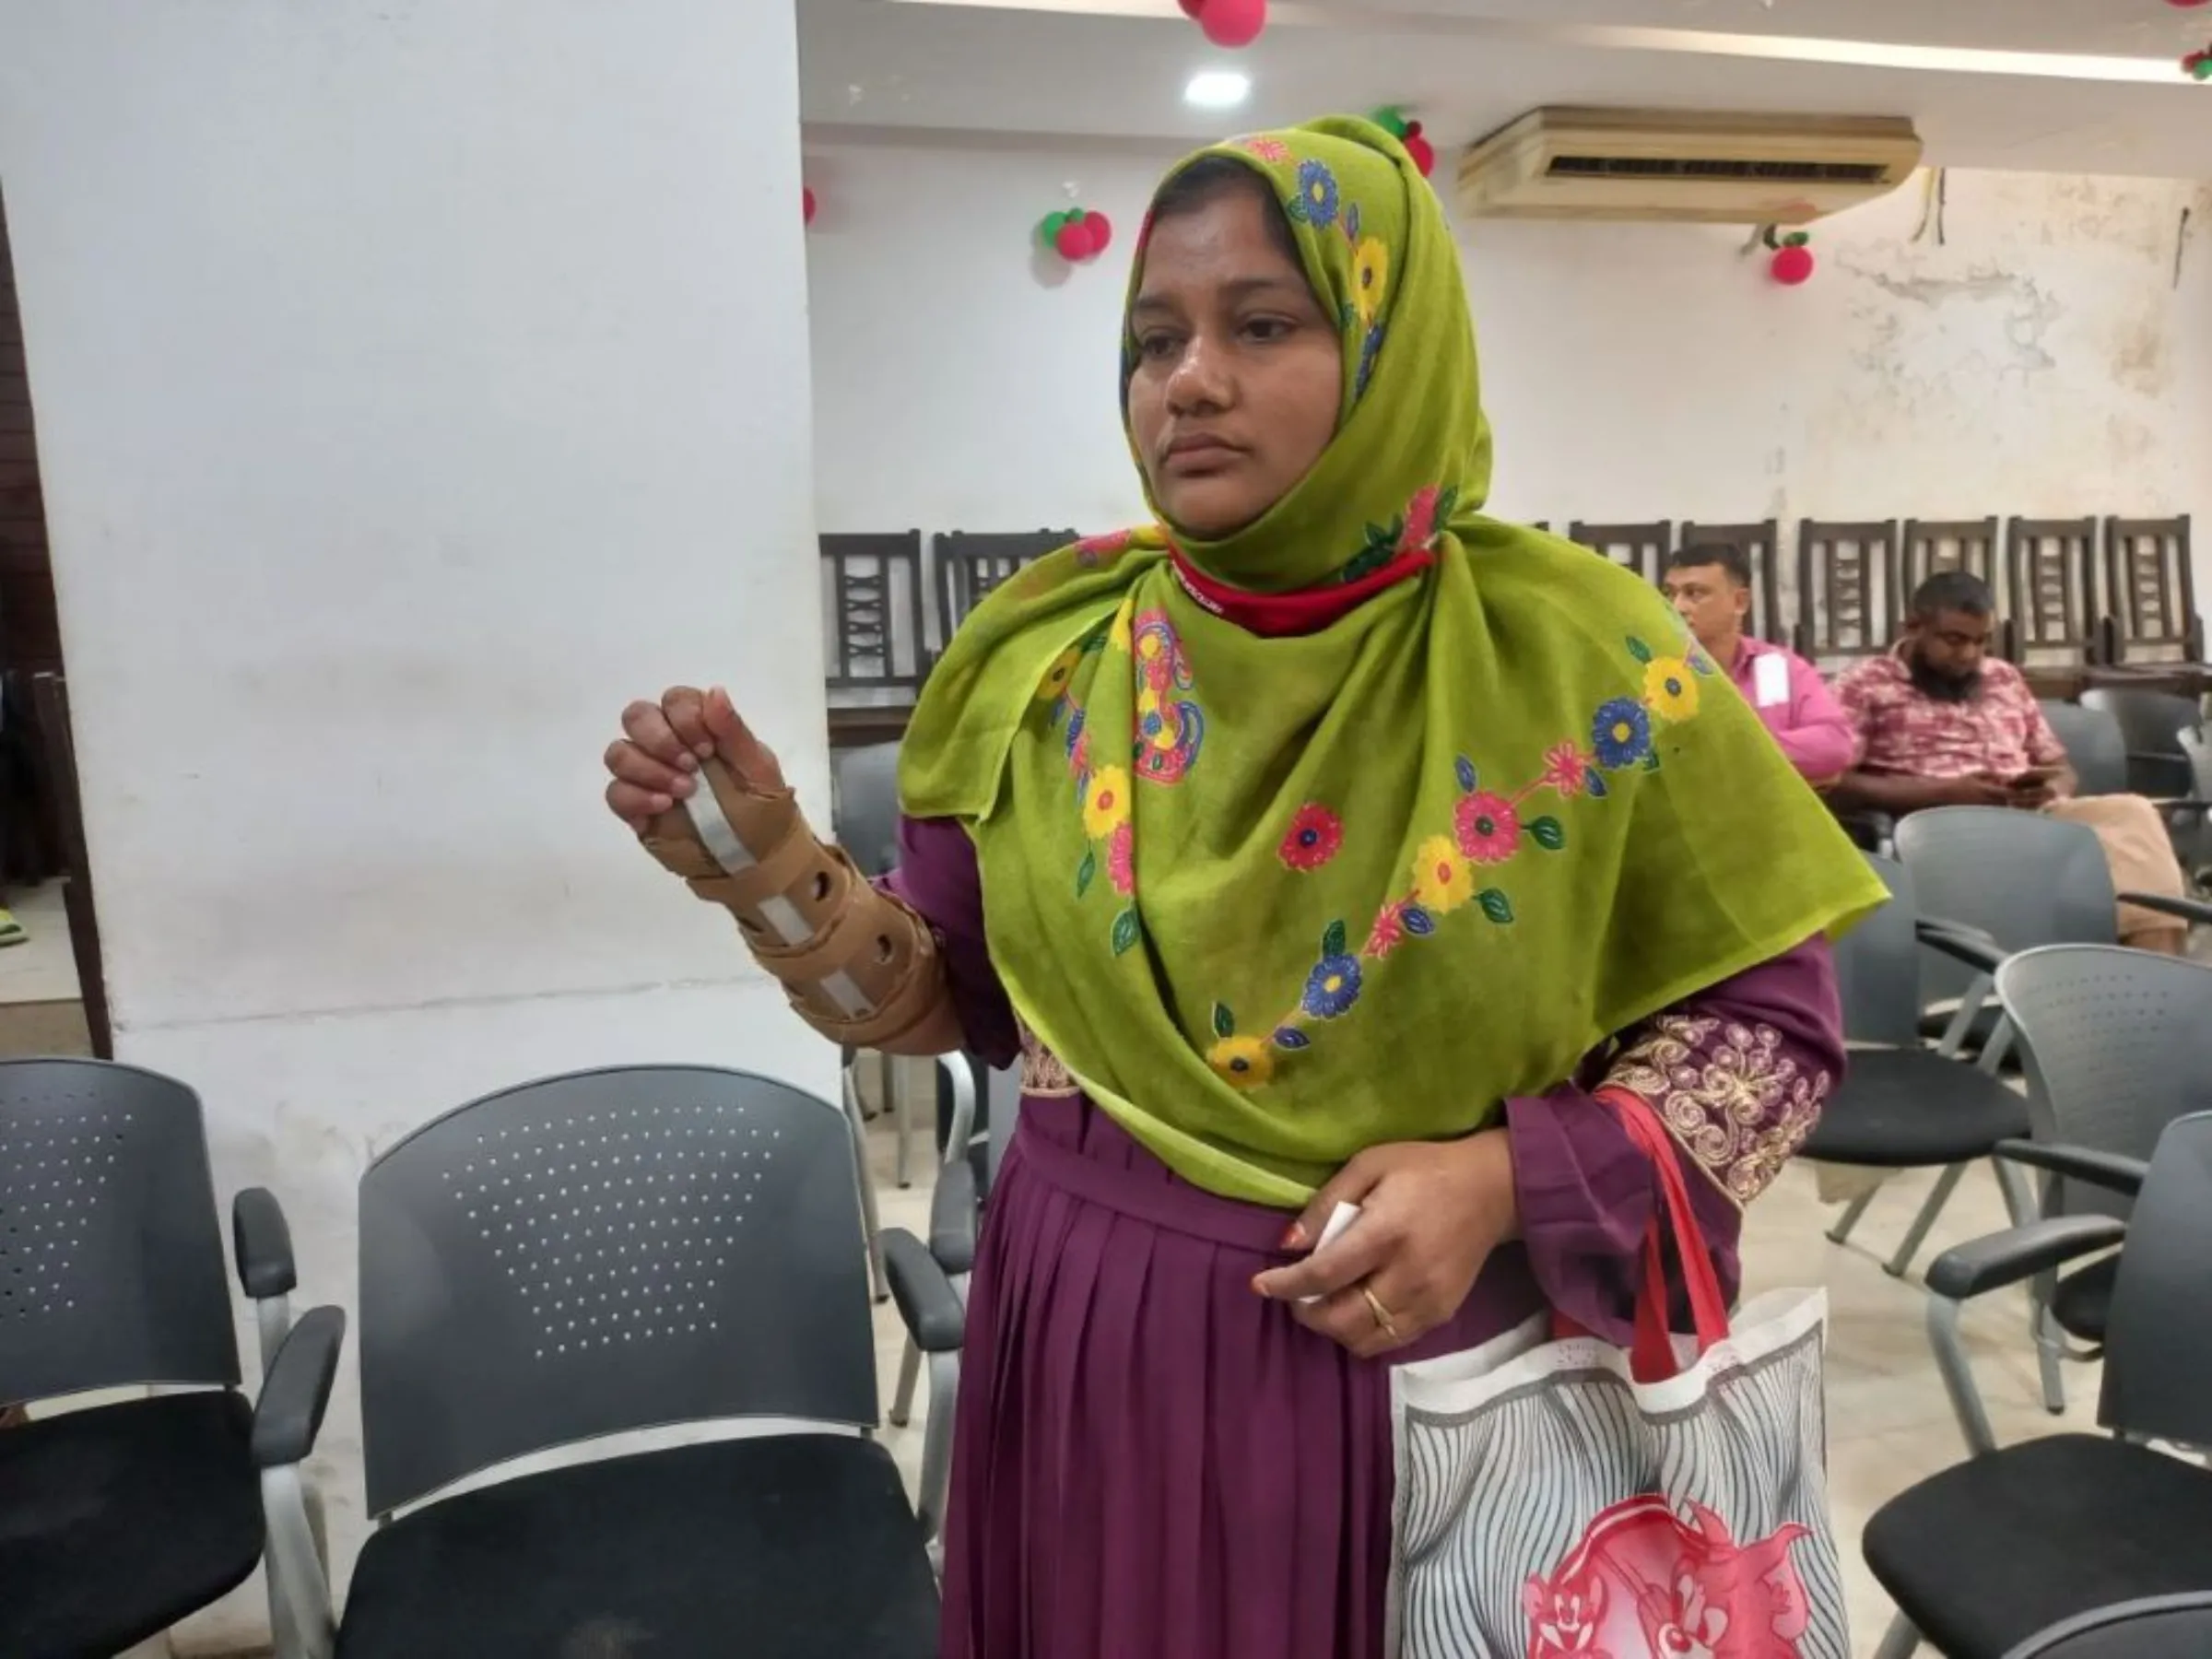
[1381, 1313]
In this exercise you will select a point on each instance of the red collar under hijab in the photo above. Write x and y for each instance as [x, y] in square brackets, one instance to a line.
[1288, 615]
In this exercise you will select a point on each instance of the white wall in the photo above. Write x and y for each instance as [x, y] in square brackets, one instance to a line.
[2042, 361]
[415, 383]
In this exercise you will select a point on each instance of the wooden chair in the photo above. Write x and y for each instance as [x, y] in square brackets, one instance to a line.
[50, 694]
[2050, 575]
[1969, 545]
[1639, 548]
[2149, 593]
[1761, 549]
[873, 603]
[1848, 599]
[968, 565]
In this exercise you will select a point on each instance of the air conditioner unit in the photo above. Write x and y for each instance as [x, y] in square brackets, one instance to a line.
[1712, 169]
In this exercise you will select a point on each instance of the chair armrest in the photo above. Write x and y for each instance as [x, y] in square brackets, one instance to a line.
[2007, 1258]
[2188, 910]
[952, 1218]
[261, 1240]
[2112, 1171]
[2171, 808]
[289, 1415]
[928, 1306]
[1961, 943]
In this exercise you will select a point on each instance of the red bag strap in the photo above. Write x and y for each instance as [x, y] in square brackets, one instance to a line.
[1652, 1357]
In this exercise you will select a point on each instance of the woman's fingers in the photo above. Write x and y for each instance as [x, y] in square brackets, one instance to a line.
[752, 762]
[1351, 1184]
[1362, 1248]
[646, 726]
[1348, 1319]
[684, 708]
[635, 807]
[630, 763]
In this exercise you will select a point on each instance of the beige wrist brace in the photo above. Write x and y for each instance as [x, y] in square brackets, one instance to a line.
[859, 966]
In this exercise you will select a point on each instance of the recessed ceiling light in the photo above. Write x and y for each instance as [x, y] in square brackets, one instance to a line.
[1218, 90]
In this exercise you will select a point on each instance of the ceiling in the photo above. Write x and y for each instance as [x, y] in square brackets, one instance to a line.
[2061, 86]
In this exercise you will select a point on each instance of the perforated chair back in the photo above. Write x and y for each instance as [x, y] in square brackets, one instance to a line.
[603, 1251]
[2095, 747]
[112, 1266]
[2023, 879]
[2160, 1626]
[864, 813]
[2157, 1367]
[2117, 1044]
[1877, 967]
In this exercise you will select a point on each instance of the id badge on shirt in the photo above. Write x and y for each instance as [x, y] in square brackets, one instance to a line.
[1770, 681]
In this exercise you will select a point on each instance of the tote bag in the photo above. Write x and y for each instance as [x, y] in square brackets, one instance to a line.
[1561, 1500]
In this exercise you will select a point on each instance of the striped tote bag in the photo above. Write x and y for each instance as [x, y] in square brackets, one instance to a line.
[1563, 1500]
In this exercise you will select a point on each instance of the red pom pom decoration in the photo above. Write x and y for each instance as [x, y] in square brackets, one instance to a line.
[1190, 8]
[1419, 148]
[1232, 22]
[1793, 264]
[1072, 241]
[807, 204]
[1101, 231]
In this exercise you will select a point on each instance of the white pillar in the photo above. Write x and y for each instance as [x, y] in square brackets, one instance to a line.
[416, 380]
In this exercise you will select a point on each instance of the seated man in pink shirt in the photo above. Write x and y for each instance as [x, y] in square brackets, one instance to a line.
[1711, 590]
[1941, 722]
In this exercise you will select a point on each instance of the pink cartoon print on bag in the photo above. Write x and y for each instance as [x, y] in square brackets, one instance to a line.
[1647, 1583]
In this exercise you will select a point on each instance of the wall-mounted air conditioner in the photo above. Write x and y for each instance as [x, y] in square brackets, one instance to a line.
[1712, 169]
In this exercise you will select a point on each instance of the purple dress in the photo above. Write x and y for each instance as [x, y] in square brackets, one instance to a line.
[1149, 1461]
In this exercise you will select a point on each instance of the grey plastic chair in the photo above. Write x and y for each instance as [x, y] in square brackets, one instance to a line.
[2157, 729]
[2094, 747]
[1902, 1105]
[2117, 1044]
[118, 1520]
[864, 812]
[2024, 880]
[2149, 723]
[2158, 1627]
[1988, 1556]
[616, 1251]
[964, 1181]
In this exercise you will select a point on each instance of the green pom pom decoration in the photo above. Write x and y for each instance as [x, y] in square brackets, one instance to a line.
[1392, 120]
[1050, 229]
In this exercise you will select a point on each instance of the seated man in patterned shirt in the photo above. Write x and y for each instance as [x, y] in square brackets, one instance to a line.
[1940, 723]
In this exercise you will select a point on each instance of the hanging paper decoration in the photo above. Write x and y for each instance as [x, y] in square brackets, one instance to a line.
[1792, 261]
[806, 202]
[1075, 235]
[1392, 120]
[1228, 22]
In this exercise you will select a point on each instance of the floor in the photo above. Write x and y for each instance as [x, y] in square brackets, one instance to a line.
[1889, 1422]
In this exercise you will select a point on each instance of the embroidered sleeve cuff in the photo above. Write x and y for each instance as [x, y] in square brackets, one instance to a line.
[1732, 1095]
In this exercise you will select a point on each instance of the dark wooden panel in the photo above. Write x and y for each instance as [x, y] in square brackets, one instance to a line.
[2150, 592]
[1639, 548]
[1847, 588]
[2050, 571]
[970, 565]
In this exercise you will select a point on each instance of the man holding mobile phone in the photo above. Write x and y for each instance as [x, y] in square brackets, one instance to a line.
[1942, 724]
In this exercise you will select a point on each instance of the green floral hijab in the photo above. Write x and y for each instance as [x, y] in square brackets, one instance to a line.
[1273, 901]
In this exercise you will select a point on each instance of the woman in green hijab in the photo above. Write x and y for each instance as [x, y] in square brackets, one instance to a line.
[1323, 843]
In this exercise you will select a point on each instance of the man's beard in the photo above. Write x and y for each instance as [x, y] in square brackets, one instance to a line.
[1942, 688]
